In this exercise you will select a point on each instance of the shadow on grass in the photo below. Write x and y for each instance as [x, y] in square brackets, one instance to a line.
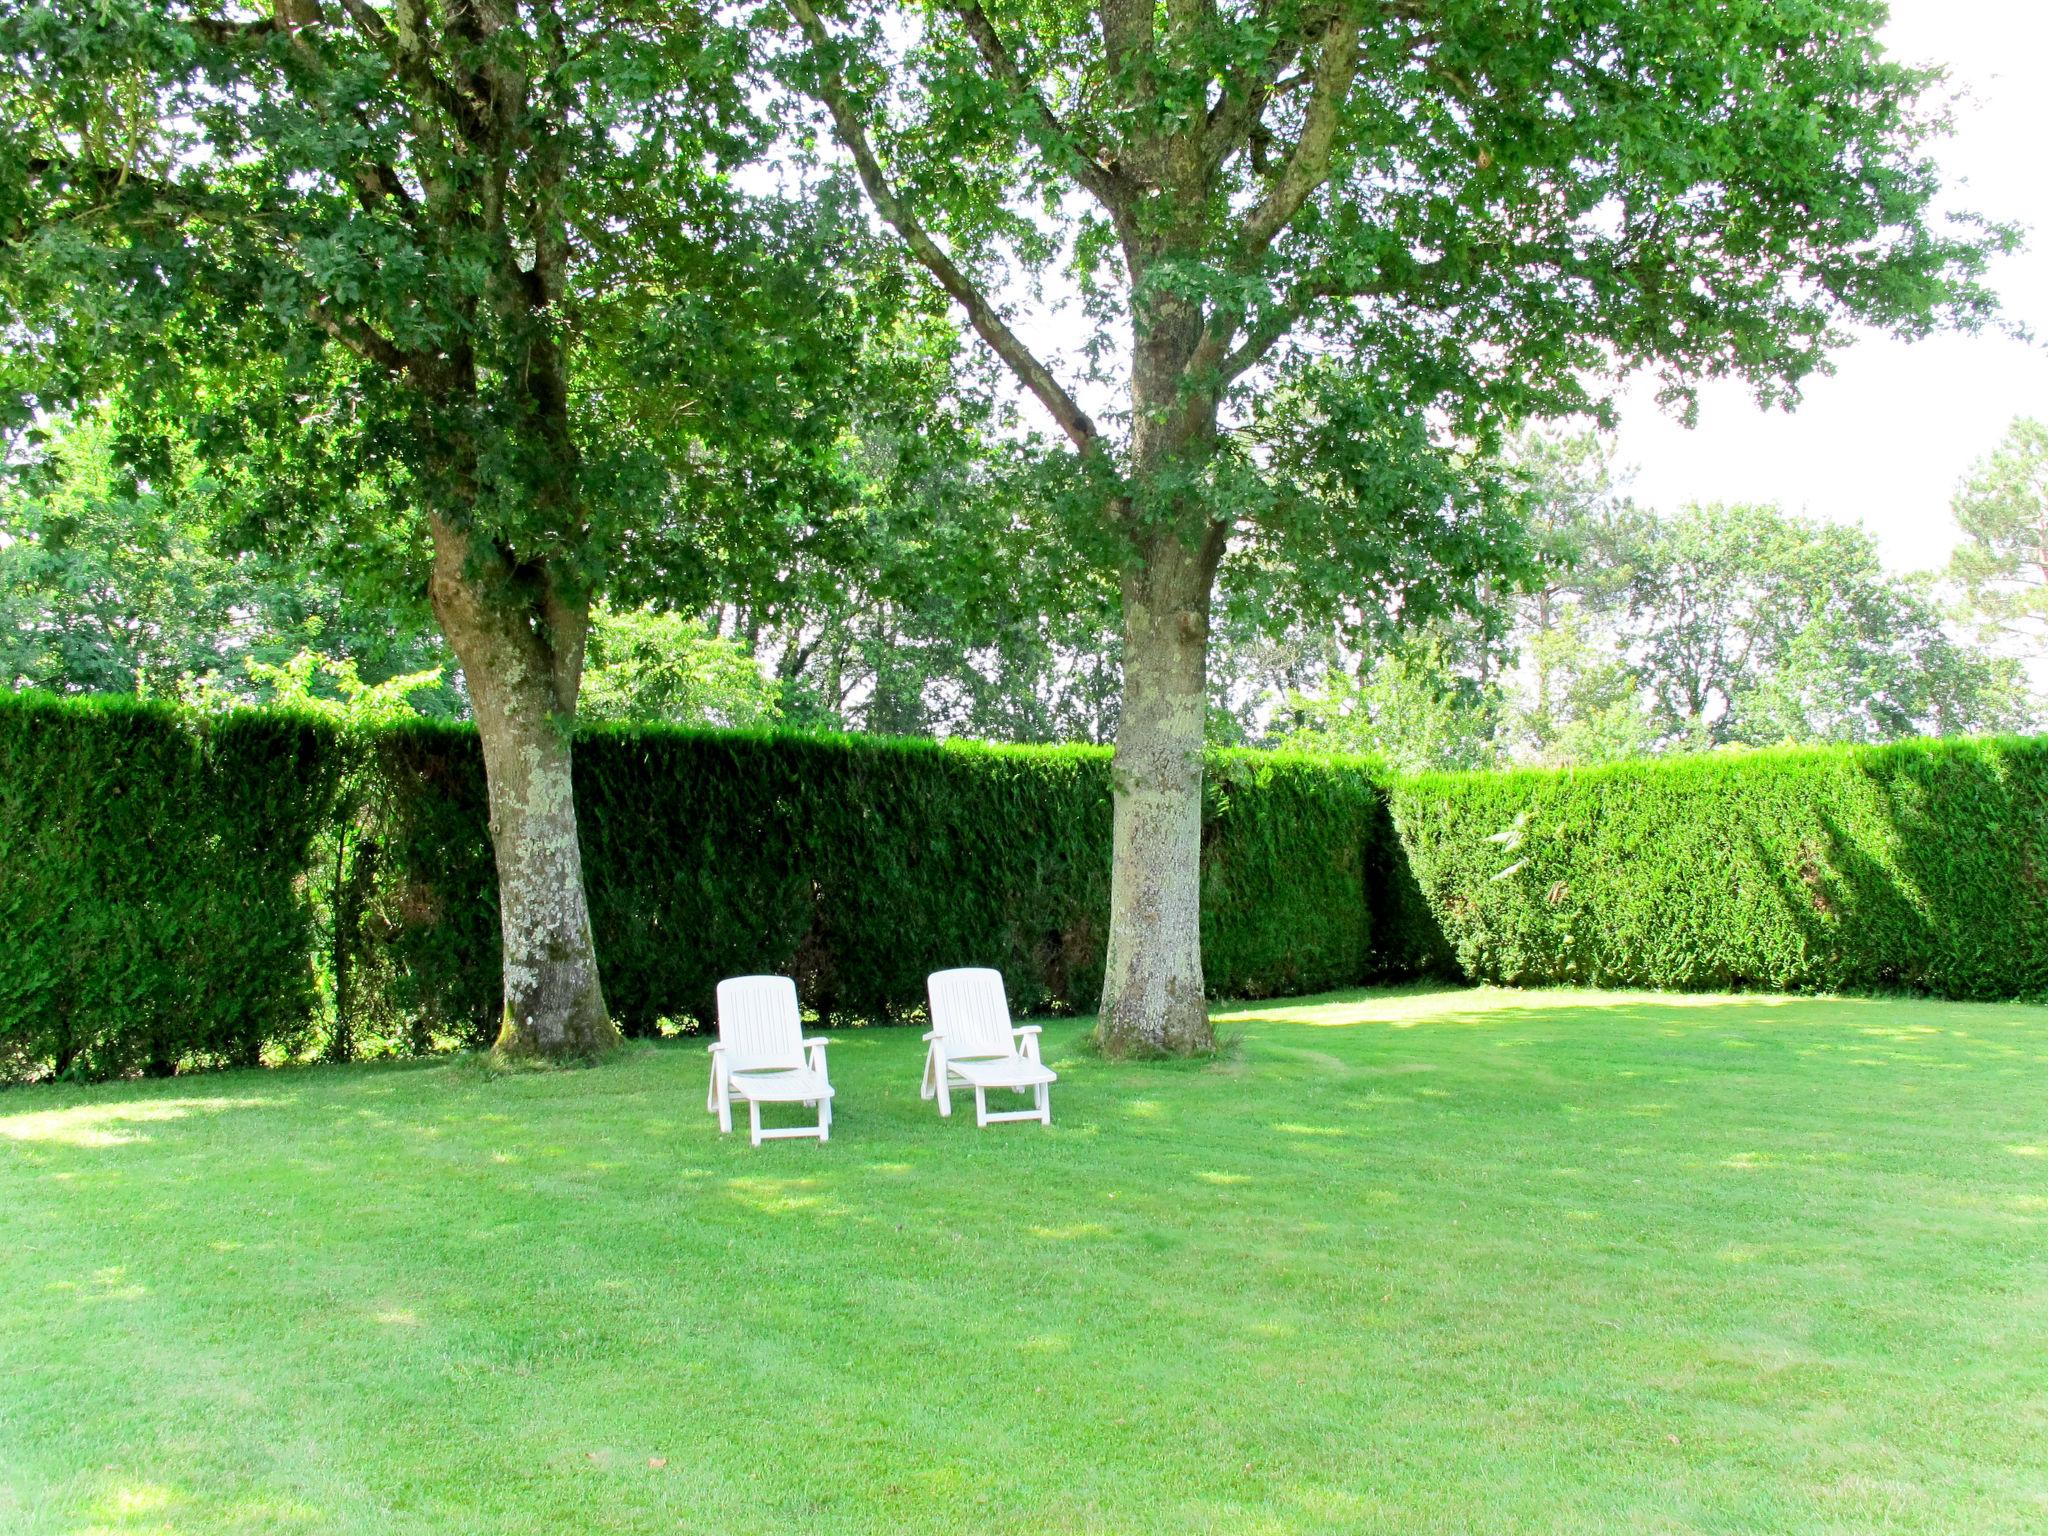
[442, 1095]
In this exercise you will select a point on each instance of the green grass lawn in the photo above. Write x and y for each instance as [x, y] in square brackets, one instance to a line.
[1460, 1261]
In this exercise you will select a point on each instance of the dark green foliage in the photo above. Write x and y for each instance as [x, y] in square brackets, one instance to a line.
[151, 891]
[1284, 872]
[162, 876]
[856, 864]
[860, 865]
[1921, 866]
[429, 941]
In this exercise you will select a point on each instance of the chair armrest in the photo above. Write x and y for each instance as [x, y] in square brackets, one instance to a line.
[1027, 1029]
[817, 1040]
[931, 1034]
[714, 1047]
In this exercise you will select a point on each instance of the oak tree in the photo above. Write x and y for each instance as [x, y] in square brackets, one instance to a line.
[481, 268]
[1413, 223]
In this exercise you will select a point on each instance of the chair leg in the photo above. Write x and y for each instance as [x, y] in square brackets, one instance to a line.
[754, 1117]
[945, 1088]
[928, 1088]
[980, 1107]
[722, 1091]
[824, 1119]
[1044, 1104]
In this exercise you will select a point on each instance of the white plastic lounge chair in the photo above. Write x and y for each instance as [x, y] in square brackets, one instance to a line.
[973, 1042]
[762, 1057]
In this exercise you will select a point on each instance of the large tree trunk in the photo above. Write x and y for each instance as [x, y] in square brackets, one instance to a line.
[520, 644]
[1153, 1002]
[1152, 995]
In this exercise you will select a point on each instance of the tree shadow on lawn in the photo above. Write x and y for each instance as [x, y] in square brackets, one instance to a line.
[652, 1105]
[130, 1111]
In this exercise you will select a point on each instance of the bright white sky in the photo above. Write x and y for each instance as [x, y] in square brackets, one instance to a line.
[1886, 438]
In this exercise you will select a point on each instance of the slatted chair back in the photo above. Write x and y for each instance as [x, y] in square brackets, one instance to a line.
[971, 1012]
[758, 1023]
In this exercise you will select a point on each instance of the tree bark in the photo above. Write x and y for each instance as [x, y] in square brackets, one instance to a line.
[1152, 996]
[520, 643]
[1153, 1000]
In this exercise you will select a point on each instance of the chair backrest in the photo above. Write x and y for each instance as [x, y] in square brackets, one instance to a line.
[971, 1013]
[758, 1023]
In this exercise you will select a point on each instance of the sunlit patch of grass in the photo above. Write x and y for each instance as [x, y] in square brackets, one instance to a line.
[1422, 1260]
[108, 1124]
[1070, 1233]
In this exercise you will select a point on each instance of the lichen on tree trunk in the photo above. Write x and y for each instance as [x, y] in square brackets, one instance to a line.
[1152, 995]
[520, 643]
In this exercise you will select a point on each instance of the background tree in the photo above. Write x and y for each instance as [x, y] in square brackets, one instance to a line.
[477, 265]
[1717, 626]
[948, 604]
[112, 584]
[1384, 230]
[645, 665]
[1411, 705]
[1581, 702]
[1748, 625]
[2003, 510]
[1585, 703]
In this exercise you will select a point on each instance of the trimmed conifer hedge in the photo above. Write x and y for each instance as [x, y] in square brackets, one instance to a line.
[174, 878]
[860, 865]
[1921, 867]
[153, 911]
[180, 891]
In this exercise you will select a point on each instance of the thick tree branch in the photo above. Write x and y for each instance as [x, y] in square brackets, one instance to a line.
[565, 618]
[407, 49]
[1130, 44]
[1259, 340]
[109, 182]
[1086, 162]
[222, 32]
[1235, 119]
[1127, 32]
[367, 343]
[548, 223]
[377, 186]
[376, 183]
[1034, 375]
[1309, 164]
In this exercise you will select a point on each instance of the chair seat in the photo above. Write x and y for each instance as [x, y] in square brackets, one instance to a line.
[796, 1085]
[1001, 1072]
